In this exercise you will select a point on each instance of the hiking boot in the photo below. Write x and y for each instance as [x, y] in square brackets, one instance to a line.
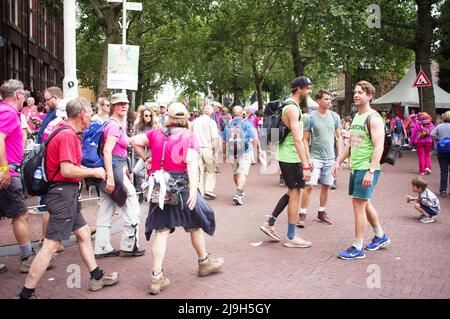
[25, 263]
[270, 231]
[135, 253]
[3, 268]
[106, 280]
[158, 284]
[297, 242]
[323, 218]
[301, 222]
[112, 253]
[209, 266]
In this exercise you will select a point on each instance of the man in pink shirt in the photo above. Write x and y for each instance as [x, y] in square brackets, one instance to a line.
[12, 204]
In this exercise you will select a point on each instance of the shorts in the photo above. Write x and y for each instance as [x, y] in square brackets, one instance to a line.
[430, 211]
[12, 201]
[292, 174]
[322, 169]
[397, 138]
[242, 164]
[186, 229]
[355, 187]
[65, 211]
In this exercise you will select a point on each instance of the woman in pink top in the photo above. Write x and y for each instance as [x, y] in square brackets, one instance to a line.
[118, 189]
[192, 212]
[421, 139]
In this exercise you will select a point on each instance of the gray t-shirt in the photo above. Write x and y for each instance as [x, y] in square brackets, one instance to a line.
[428, 198]
[442, 130]
[322, 130]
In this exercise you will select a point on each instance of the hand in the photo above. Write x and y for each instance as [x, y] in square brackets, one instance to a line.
[99, 172]
[307, 175]
[408, 198]
[311, 164]
[192, 200]
[148, 163]
[110, 185]
[368, 179]
[335, 169]
[5, 179]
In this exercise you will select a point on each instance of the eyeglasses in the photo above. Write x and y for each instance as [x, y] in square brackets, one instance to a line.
[46, 100]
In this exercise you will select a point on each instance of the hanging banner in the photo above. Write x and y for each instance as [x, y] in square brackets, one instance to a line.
[123, 63]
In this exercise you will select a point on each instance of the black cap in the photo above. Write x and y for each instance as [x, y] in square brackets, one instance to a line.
[301, 82]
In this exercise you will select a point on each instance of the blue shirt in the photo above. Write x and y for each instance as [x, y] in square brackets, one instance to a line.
[50, 117]
[248, 128]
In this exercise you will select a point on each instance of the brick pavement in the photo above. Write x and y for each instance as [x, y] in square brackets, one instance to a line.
[417, 264]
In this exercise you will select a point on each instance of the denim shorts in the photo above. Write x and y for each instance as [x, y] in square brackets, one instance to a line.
[356, 188]
[430, 211]
[323, 170]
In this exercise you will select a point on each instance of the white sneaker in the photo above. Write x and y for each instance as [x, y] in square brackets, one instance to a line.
[297, 242]
[427, 220]
[427, 171]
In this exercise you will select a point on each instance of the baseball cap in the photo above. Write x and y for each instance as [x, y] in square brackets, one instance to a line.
[119, 98]
[301, 82]
[177, 110]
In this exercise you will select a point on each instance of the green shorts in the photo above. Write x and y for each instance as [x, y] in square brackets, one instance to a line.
[356, 188]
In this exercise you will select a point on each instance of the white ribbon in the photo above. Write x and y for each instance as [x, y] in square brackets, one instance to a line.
[161, 177]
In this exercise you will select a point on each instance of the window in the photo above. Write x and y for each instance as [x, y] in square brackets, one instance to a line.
[55, 77]
[31, 20]
[15, 63]
[14, 11]
[45, 68]
[45, 27]
[32, 64]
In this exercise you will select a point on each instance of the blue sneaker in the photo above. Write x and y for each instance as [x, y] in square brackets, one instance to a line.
[352, 253]
[378, 243]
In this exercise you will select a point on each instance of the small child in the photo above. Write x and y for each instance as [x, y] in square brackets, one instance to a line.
[427, 202]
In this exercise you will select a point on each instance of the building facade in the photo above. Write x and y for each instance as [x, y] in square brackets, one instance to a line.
[33, 38]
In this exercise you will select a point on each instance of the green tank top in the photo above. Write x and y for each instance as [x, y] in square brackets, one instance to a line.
[286, 151]
[361, 145]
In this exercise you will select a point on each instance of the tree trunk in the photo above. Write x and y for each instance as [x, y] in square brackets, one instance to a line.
[259, 93]
[424, 38]
[296, 57]
[348, 93]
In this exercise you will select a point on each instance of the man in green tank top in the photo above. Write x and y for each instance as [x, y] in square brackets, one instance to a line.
[294, 165]
[365, 158]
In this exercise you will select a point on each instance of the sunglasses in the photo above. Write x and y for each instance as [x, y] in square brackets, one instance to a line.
[147, 115]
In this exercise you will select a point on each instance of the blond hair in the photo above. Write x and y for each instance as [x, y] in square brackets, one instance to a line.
[446, 117]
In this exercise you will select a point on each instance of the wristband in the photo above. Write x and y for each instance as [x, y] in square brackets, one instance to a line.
[306, 168]
[4, 168]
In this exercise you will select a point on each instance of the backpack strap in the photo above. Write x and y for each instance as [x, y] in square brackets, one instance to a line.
[367, 123]
[166, 133]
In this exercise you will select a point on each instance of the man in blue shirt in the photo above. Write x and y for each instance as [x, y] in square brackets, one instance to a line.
[52, 96]
[238, 136]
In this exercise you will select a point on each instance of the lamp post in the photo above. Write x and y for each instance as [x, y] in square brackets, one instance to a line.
[70, 82]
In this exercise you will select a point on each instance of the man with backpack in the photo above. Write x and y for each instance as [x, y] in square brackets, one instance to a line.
[63, 164]
[12, 201]
[237, 136]
[398, 130]
[365, 150]
[319, 132]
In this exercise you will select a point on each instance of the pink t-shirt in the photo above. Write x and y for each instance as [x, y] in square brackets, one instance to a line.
[113, 128]
[176, 149]
[10, 126]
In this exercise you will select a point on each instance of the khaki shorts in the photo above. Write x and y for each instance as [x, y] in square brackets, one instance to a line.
[242, 164]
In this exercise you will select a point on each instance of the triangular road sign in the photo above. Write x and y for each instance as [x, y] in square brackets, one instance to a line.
[421, 80]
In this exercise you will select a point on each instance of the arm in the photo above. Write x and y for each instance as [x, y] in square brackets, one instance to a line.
[5, 177]
[107, 157]
[69, 170]
[338, 136]
[306, 136]
[192, 168]
[139, 143]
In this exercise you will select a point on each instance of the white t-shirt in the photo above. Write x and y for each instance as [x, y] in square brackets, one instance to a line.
[205, 130]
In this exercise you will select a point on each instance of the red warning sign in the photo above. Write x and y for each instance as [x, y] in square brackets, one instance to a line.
[421, 80]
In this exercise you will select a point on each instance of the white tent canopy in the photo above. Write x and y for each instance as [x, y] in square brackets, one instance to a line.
[408, 95]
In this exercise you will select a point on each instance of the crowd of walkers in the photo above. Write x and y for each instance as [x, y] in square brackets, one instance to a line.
[175, 157]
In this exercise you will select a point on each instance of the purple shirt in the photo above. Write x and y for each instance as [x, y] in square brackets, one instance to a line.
[10, 126]
[113, 128]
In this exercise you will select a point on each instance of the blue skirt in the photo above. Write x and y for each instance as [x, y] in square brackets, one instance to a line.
[202, 216]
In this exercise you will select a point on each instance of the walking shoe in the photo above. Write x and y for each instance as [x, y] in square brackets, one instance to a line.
[334, 185]
[134, 253]
[210, 195]
[3, 268]
[443, 194]
[106, 280]
[209, 266]
[112, 253]
[270, 231]
[297, 242]
[378, 243]
[323, 218]
[427, 171]
[352, 253]
[301, 222]
[238, 200]
[158, 283]
[427, 220]
[25, 263]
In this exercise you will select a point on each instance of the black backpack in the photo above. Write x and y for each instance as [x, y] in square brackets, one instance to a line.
[273, 124]
[33, 176]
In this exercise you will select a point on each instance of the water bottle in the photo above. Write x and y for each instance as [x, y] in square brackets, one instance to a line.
[38, 184]
[38, 173]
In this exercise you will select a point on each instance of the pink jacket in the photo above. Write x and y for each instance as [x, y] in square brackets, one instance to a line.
[421, 132]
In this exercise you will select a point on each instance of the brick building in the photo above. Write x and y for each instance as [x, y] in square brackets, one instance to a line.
[33, 38]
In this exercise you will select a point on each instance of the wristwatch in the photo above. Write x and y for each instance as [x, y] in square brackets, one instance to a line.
[371, 170]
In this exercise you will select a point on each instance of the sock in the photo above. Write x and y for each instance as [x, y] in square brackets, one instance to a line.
[26, 292]
[378, 231]
[322, 209]
[303, 211]
[358, 243]
[282, 203]
[291, 231]
[25, 250]
[97, 273]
